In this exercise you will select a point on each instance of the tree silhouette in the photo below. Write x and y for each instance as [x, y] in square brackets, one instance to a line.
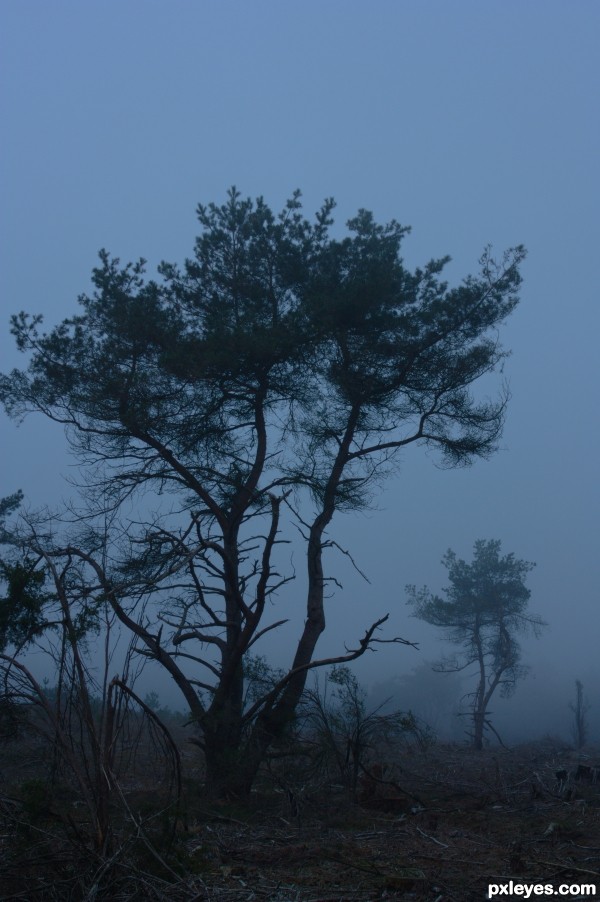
[484, 609]
[268, 383]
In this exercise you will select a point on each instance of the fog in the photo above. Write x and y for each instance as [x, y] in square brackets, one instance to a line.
[475, 124]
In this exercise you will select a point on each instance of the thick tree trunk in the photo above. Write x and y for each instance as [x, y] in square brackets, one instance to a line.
[232, 765]
[222, 739]
[225, 776]
[478, 728]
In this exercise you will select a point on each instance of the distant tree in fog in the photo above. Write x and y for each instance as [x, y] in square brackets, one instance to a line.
[484, 609]
[252, 394]
[579, 709]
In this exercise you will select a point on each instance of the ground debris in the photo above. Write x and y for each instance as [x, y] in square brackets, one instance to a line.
[483, 817]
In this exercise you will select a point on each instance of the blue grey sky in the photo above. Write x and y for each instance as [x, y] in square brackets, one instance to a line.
[474, 122]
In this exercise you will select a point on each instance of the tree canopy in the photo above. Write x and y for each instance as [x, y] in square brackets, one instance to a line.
[269, 381]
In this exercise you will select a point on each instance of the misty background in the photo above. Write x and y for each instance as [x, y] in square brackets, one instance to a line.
[475, 124]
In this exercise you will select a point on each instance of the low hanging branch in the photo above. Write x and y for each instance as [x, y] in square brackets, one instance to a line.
[365, 644]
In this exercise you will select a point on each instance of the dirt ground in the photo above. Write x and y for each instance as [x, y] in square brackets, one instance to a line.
[439, 825]
[443, 826]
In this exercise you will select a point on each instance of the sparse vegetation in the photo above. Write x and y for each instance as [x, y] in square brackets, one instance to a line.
[418, 816]
[346, 737]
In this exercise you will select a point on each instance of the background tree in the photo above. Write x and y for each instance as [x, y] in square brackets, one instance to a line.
[484, 609]
[580, 720]
[268, 382]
